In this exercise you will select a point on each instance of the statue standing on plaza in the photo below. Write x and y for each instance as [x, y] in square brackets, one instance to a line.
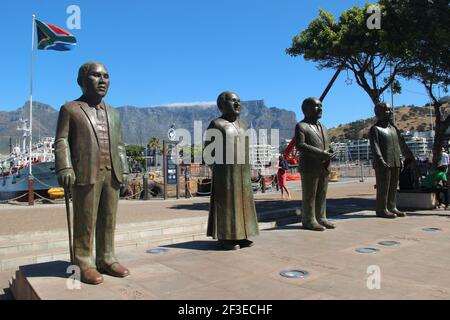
[314, 164]
[387, 144]
[91, 160]
[232, 214]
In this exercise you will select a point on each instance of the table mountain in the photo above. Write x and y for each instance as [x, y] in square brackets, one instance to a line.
[138, 124]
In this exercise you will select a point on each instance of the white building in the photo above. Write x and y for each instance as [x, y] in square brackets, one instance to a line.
[420, 143]
[359, 150]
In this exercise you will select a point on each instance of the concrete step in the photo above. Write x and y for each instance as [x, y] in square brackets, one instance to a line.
[128, 237]
[13, 261]
[32, 236]
[51, 240]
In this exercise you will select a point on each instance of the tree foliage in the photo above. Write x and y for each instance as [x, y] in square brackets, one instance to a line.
[134, 153]
[413, 43]
[350, 44]
[419, 31]
[154, 143]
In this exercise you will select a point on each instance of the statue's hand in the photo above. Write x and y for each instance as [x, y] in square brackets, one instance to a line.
[333, 154]
[326, 156]
[66, 178]
[384, 164]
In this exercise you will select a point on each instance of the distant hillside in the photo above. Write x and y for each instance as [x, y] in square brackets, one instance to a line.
[138, 124]
[44, 123]
[407, 118]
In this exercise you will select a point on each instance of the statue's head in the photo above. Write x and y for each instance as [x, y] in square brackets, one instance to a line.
[93, 78]
[383, 111]
[312, 108]
[229, 103]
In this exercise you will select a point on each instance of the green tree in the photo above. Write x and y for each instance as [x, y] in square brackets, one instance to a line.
[154, 143]
[350, 44]
[419, 32]
[134, 153]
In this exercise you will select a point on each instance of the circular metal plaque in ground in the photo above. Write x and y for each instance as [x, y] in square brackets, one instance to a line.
[431, 229]
[389, 243]
[367, 250]
[294, 274]
[157, 251]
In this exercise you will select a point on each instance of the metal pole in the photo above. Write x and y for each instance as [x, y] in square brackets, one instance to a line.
[177, 172]
[30, 172]
[360, 163]
[145, 177]
[165, 168]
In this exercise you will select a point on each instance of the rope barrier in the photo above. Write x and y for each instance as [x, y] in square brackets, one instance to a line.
[44, 198]
[12, 199]
[257, 181]
[204, 183]
[129, 197]
[203, 193]
[46, 185]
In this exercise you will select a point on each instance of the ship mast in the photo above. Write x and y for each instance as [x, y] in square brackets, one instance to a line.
[30, 175]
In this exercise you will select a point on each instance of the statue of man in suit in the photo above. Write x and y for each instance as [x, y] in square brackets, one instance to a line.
[314, 164]
[90, 157]
[387, 145]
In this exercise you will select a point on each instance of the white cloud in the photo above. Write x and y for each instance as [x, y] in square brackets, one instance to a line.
[190, 104]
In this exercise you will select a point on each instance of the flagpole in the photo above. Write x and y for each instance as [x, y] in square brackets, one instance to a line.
[30, 174]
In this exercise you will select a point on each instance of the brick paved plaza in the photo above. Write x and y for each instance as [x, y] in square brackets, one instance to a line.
[194, 267]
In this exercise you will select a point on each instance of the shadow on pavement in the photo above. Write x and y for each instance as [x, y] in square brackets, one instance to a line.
[436, 213]
[6, 294]
[55, 269]
[338, 206]
[192, 206]
[212, 245]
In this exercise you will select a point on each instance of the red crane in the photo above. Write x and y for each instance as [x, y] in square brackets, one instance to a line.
[291, 153]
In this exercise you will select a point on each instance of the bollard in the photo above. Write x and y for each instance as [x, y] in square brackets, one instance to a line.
[145, 185]
[30, 191]
[263, 184]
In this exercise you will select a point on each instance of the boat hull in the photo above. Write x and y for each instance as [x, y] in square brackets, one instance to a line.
[15, 185]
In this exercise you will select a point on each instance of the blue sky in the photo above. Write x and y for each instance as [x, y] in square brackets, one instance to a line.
[161, 52]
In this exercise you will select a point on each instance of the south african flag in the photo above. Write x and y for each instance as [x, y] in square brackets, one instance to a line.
[51, 37]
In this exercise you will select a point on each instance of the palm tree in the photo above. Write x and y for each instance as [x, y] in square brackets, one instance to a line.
[154, 143]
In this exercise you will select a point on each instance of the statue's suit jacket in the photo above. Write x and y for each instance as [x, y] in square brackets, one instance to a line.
[386, 145]
[311, 144]
[77, 146]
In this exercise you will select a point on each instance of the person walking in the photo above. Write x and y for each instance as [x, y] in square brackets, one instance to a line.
[444, 162]
[283, 167]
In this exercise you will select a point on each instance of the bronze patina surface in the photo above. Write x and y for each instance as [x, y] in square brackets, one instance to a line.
[387, 145]
[232, 214]
[91, 159]
[314, 165]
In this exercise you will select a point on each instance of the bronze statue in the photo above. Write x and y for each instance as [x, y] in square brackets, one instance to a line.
[387, 144]
[90, 156]
[232, 214]
[314, 164]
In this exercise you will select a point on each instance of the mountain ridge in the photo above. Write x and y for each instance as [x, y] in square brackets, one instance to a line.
[140, 123]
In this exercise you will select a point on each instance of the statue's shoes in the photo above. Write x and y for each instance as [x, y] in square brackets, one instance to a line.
[386, 214]
[327, 224]
[313, 226]
[245, 243]
[115, 269]
[398, 213]
[229, 244]
[91, 276]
